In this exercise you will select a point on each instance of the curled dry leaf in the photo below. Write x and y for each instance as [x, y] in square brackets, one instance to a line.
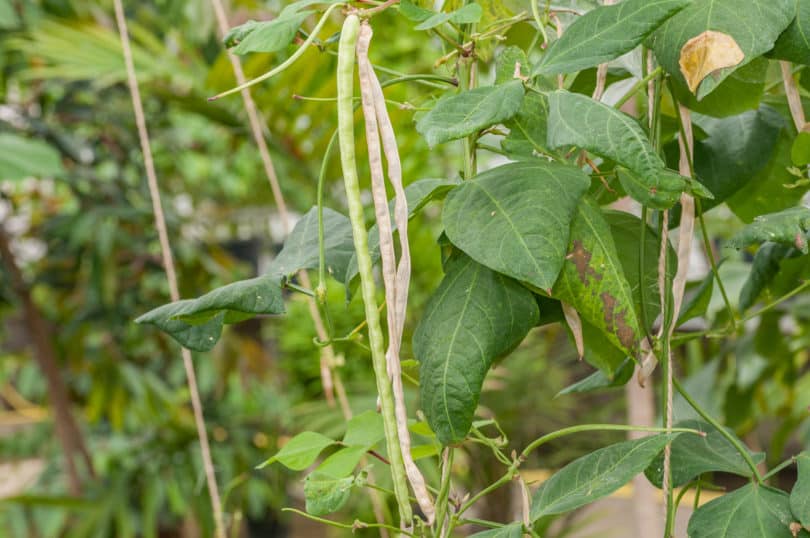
[706, 54]
[572, 318]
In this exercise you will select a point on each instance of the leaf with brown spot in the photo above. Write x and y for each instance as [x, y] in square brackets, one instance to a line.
[706, 54]
[593, 281]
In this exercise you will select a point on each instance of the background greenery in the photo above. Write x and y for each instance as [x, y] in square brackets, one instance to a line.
[84, 238]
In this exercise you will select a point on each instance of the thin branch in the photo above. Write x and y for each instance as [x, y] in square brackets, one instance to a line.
[168, 264]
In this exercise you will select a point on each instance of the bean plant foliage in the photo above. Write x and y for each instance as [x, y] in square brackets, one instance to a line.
[671, 107]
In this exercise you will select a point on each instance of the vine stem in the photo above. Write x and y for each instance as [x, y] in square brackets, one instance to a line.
[168, 265]
[353, 527]
[719, 427]
[345, 89]
[288, 62]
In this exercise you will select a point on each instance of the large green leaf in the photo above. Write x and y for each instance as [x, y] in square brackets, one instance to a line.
[515, 218]
[754, 25]
[267, 36]
[593, 281]
[325, 494]
[693, 455]
[605, 33]
[764, 269]
[766, 192]
[595, 475]
[473, 317]
[753, 511]
[527, 129]
[417, 195]
[800, 495]
[577, 120]
[788, 227]
[794, 43]
[23, 157]
[197, 323]
[735, 150]
[301, 451]
[459, 115]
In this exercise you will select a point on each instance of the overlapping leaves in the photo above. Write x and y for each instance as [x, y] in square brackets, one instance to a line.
[473, 317]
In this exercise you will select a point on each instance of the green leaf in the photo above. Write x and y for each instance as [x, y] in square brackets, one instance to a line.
[301, 246]
[462, 114]
[693, 455]
[364, 430]
[515, 218]
[751, 511]
[413, 12]
[513, 530]
[577, 120]
[626, 231]
[417, 195]
[268, 36]
[662, 193]
[527, 129]
[301, 451]
[343, 462]
[595, 475]
[766, 192]
[593, 281]
[698, 303]
[754, 25]
[23, 157]
[788, 227]
[600, 380]
[197, 323]
[766, 265]
[605, 33]
[794, 43]
[735, 150]
[800, 495]
[474, 316]
[325, 494]
[236, 34]
[800, 150]
[467, 14]
[505, 65]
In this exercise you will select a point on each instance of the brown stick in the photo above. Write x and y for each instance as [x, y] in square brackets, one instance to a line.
[793, 98]
[168, 265]
[68, 432]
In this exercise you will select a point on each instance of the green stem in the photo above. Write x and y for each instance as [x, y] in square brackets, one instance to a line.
[354, 526]
[787, 463]
[345, 88]
[299, 289]
[777, 302]
[464, 83]
[719, 427]
[638, 85]
[642, 256]
[289, 61]
[707, 244]
[444, 490]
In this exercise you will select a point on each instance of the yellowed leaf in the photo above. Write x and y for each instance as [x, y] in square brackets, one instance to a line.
[706, 54]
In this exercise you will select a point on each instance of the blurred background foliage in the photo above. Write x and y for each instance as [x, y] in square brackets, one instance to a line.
[84, 239]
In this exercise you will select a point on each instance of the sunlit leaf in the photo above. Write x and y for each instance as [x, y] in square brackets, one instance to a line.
[325, 494]
[753, 510]
[301, 451]
[24, 157]
[515, 218]
[459, 115]
[605, 33]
